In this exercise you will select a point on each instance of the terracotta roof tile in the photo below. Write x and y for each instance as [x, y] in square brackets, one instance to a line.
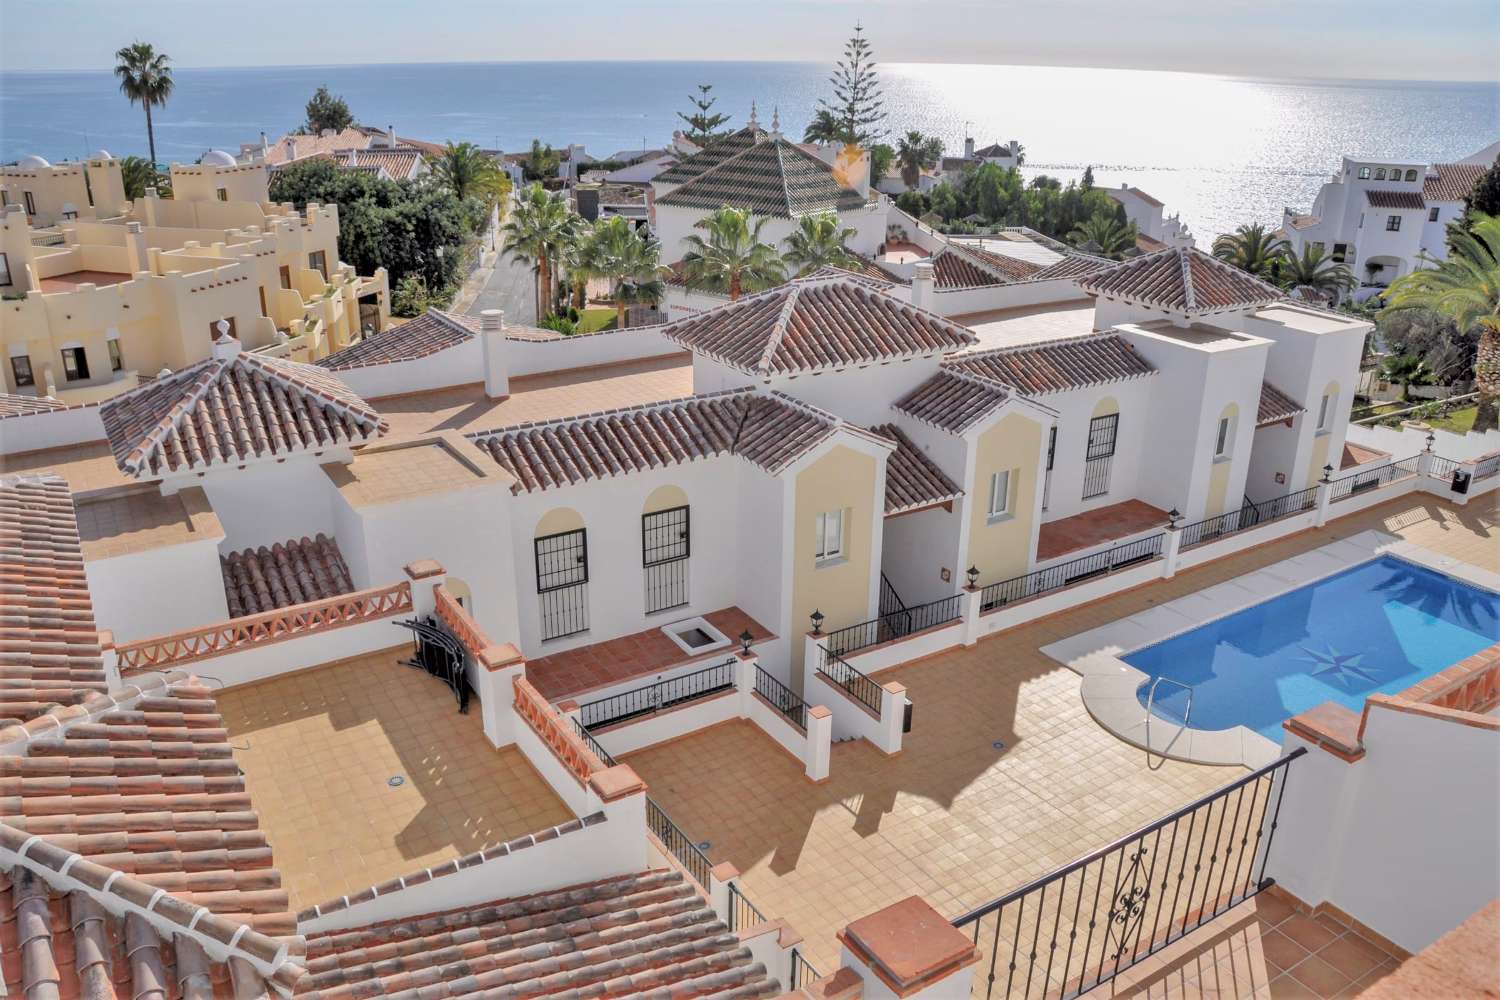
[429, 333]
[1452, 181]
[1385, 198]
[768, 429]
[712, 155]
[771, 178]
[1073, 265]
[1275, 406]
[20, 406]
[224, 411]
[626, 935]
[1185, 280]
[953, 400]
[912, 480]
[50, 652]
[1058, 365]
[1006, 268]
[816, 323]
[287, 573]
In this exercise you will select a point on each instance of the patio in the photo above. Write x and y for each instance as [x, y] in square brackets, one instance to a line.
[955, 817]
[319, 749]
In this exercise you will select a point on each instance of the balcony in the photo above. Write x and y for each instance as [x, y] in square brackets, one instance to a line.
[1116, 522]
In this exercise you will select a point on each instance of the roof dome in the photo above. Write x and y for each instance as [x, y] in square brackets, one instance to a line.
[102, 154]
[217, 158]
[32, 162]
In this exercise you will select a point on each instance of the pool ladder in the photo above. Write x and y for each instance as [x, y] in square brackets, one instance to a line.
[1151, 698]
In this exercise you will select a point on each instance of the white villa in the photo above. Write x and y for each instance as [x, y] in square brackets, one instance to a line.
[250, 601]
[1380, 217]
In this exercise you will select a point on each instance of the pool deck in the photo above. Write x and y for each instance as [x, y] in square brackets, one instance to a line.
[1110, 684]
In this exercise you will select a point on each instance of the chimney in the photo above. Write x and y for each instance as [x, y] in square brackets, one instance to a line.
[291, 149]
[390, 136]
[968, 147]
[265, 147]
[922, 285]
[226, 348]
[492, 343]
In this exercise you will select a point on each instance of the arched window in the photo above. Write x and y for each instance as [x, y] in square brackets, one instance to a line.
[1224, 431]
[1380, 173]
[560, 548]
[666, 545]
[1411, 175]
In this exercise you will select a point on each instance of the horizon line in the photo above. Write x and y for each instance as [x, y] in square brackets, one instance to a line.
[785, 62]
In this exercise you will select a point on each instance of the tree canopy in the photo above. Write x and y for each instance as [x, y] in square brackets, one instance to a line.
[145, 77]
[326, 112]
[856, 107]
[703, 123]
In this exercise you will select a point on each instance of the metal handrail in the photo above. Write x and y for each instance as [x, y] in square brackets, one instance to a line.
[1151, 698]
[651, 698]
[845, 676]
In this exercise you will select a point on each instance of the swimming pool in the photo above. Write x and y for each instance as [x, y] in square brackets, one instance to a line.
[1378, 627]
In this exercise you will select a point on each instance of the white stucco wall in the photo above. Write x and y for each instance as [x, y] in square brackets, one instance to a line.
[1402, 840]
[1137, 399]
[128, 590]
[269, 502]
[50, 429]
[461, 364]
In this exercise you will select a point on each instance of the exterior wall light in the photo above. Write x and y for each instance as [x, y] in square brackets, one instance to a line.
[973, 574]
[817, 622]
[745, 639]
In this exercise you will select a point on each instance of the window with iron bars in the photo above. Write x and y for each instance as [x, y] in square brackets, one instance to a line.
[562, 577]
[1103, 432]
[665, 548]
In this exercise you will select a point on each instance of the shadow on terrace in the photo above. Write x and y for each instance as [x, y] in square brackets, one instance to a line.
[320, 748]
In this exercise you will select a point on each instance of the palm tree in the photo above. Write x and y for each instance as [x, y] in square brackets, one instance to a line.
[818, 241]
[824, 127]
[539, 230]
[1252, 248]
[1313, 273]
[1108, 237]
[581, 260]
[629, 260]
[733, 259]
[1406, 370]
[145, 78]
[1466, 289]
[138, 175]
[465, 170]
[915, 153]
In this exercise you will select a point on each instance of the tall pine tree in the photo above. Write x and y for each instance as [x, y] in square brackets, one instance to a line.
[856, 104]
[703, 123]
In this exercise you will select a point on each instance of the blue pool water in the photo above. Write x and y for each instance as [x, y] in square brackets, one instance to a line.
[1376, 628]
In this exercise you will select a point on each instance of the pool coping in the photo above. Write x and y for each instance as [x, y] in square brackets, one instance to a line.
[1110, 684]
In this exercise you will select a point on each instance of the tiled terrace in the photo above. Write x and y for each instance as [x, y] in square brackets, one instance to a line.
[1095, 527]
[575, 672]
[540, 397]
[952, 817]
[69, 282]
[1028, 324]
[318, 747]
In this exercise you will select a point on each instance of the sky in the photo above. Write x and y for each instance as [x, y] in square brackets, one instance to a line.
[1351, 39]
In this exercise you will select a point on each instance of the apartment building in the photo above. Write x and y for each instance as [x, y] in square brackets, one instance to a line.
[102, 301]
[1382, 217]
[50, 194]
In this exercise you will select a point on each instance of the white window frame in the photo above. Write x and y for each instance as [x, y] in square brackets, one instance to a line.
[1325, 413]
[826, 550]
[1222, 440]
[1002, 493]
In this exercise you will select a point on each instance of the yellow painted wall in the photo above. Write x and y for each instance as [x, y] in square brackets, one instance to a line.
[1318, 459]
[1002, 549]
[842, 479]
[558, 520]
[665, 498]
[1218, 471]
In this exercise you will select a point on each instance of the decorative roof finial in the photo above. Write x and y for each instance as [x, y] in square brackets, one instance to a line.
[775, 118]
[753, 123]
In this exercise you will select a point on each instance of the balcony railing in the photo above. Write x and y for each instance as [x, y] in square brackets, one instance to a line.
[896, 625]
[1248, 516]
[838, 671]
[564, 610]
[1443, 468]
[781, 698]
[266, 627]
[1348, 486]
[1486, 467]
[803, 971]
[687, 853]
[1045, 581]
[652, 698]
[742, 912]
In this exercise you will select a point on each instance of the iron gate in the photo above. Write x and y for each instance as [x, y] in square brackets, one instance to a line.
[436, 651]
[665, 548]
[1103, 432]
[562, 580]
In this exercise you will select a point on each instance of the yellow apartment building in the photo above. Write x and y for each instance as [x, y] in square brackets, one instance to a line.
[88, 310]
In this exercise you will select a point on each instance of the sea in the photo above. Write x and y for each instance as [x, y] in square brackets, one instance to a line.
[1217, 150]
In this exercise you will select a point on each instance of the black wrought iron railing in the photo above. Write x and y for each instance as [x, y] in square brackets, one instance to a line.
[841, 674]
[803, 971]
[1250, 515]
[593, 744]
[1348, 486]
[1080, 926]
[1442, 468]
[1096, 477]
[666, 585]
[653, 698]
[1063, 575]
[781, 698]
[687, 853]
[1486, 467]
[742, 912]
[896, 625]
[564, 610]
[890, 601]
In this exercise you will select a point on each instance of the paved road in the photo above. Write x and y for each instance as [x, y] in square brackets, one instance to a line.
[512, 288]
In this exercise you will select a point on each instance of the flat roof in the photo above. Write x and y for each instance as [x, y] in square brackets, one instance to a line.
[140, 518]
[400, 470]
[1197, 334]
[69, 282]
[1029, 324]
[1310, 320]
[88, 466]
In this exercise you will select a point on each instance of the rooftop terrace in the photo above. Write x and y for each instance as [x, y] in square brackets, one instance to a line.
[1029, 324]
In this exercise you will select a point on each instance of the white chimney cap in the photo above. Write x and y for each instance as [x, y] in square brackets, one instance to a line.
[217, 158]
[32, 162]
